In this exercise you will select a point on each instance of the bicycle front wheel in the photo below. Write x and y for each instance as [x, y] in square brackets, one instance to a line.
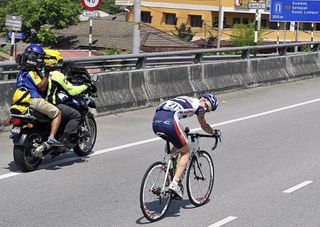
[200, 178]
[155, 196]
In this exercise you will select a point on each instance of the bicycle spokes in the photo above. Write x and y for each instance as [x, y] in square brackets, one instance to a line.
[200, 178]
[155, 196]
[197, 170]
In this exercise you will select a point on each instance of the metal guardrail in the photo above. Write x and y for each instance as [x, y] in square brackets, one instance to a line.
[155, 59]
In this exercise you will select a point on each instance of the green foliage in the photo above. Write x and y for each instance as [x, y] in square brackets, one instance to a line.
[211, 38]
[109, 7]
[3, 2]
[114, 51]
[184, 33]
[36, 13]
[243, 35]
[46, 36]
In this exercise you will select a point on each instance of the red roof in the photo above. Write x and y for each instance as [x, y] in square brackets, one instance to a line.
[74, 53]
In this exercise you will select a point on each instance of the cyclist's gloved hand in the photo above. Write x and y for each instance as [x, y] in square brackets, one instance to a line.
[217, 133]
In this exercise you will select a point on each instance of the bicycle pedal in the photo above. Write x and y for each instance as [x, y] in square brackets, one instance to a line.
[175, 196]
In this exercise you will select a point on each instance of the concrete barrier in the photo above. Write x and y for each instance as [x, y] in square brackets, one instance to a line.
[269, 69]
[303, 65]
[164, 83]
[118, 91]
[114, 92]
[6, 90]
[227, 75]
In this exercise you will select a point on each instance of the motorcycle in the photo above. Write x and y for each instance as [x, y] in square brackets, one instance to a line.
[31, 131]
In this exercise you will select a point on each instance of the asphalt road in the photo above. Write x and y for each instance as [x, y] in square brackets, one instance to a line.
[266, 169]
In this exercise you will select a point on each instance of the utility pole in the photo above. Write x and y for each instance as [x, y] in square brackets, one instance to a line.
[256, 28]
[312, 31]
[90, 35]
[136, 27]
[296, 28]
[220, 22]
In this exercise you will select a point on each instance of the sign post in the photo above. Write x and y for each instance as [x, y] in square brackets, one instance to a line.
[256, 5]
[13, 23]
[90, 5]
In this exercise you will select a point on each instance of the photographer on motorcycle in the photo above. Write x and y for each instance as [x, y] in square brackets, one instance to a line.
[58, 83]
[31, 78]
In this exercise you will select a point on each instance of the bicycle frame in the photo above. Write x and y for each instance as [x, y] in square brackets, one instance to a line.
[194, 148]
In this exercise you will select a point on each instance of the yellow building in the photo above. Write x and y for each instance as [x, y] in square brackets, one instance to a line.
[202, 16]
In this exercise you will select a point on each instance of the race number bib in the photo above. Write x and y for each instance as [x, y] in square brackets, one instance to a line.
[172, 106]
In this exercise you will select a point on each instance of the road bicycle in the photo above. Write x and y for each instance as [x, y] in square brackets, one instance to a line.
[155, 196]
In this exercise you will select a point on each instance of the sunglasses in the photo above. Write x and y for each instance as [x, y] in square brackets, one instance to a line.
[207, 106]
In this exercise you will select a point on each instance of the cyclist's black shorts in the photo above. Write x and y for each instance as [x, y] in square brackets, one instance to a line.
[167, 122]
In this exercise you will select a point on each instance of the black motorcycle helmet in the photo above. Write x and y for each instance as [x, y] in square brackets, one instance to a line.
[32, 57]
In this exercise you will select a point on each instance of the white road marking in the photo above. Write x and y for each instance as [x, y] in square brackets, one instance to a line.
[7, 175]
[223, 221]
[297, 187]
[125, 146]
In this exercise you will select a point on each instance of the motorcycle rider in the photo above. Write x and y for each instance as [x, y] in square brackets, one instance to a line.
[58, 83]
[31, 78]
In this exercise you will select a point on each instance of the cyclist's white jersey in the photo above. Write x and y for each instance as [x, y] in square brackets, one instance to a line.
[182, 106]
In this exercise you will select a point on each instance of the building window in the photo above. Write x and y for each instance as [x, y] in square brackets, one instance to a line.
[263, 23]
[245, 20]
[215, 22]
[236, 20]
[317, 26]
[225, 25]
[287, 24]
[273, 25]
[146, 17]
[306, 26]
[170, 18]
[195, 21]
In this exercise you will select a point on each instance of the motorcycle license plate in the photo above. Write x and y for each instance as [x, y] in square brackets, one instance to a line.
[16, 130]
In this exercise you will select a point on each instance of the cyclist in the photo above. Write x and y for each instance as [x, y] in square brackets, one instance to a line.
[57, 83]
[31, 78]
[167, 122]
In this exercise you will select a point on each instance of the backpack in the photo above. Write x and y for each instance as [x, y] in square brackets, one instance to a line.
[20, 101]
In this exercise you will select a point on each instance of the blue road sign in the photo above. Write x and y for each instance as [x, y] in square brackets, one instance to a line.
[295, 10]
[17, 35]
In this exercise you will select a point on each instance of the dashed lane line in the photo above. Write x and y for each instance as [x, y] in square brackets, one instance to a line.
[297, 187]
[223, 221]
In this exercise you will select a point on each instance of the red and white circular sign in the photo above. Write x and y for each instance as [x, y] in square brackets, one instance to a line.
[91, 4]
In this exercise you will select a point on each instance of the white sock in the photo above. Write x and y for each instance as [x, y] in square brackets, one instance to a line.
[176, 179]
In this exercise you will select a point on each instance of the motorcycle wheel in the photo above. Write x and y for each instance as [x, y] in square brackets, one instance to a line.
[86, 144]
[24, 160]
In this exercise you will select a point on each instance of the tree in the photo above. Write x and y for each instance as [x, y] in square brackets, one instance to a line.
[243, 35]
[109, 7]
[3, 2]
[36, 13]
[46, 36]
[184, 32]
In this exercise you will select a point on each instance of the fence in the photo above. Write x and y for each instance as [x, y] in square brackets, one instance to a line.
[8, 69]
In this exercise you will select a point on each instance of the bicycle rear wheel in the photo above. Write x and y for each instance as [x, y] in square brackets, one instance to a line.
[155, 196]
[200, 178]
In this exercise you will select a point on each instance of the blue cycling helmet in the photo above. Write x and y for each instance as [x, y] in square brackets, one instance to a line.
[211, 99]
[33, 56]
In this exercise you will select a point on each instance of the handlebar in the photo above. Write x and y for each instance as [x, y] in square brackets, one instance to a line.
[216, 136]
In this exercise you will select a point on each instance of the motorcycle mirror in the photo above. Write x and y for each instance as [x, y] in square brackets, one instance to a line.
[94, 77]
